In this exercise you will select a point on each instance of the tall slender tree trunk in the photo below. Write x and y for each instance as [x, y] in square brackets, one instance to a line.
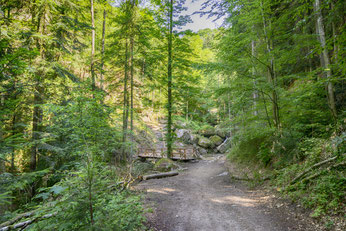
[103, 48]
[36, 123]
[169, 82]
[325, 57]
[125, 105]
[92, 45]
[131, 76]
[255, 93]
[2, 161]
[271, 72]
[13, 134]
[37, 116]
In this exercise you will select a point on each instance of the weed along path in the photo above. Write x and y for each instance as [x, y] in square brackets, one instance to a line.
[204, 198]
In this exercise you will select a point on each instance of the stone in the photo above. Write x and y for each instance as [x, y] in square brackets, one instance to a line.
[184, 135]
[222, 148]
[221, 132]
[210, 131]
[179, 124]
[195, 138]
[204, 142]
[216, 140]
[202, 151]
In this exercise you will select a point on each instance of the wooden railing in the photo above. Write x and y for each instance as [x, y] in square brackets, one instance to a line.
[178, 153]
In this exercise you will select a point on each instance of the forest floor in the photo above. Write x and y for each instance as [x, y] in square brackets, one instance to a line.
[205, 198]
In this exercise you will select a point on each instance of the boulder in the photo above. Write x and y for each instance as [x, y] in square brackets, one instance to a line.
[184, 135]
[216, 140]
[222, 148]
[210, 131]
[177, 124]
[204, 142]
[202, 151]
[221, 132]
[194, 138]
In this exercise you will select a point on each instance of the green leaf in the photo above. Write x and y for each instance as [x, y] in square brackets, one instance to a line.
[57, 189]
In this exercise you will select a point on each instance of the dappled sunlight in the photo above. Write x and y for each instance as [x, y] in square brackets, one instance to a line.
[161, 191]
[236, 200]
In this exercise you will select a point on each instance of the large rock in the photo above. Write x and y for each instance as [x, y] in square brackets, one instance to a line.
[202, 151]
[184, 135]
[177, 124]
[216, 140]
[205, 142]
[194, 138]
[224, 146]
[221, 132]
[207, 131]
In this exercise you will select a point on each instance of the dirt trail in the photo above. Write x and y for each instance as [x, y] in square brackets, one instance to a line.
[204, 198]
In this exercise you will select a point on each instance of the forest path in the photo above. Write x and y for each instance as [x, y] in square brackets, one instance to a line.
[204, 198]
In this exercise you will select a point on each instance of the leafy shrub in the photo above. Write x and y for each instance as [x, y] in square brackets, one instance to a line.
[322, 189]
[91, 199]
[252, 144]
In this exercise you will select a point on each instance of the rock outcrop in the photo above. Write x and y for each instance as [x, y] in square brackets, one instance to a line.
[205, 142]
[216, 140]
[184, 135]
[222, 148]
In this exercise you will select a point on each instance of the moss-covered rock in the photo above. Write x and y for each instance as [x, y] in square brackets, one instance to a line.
[205, 142]
[184, 135]
[216, 140]
[207, 131]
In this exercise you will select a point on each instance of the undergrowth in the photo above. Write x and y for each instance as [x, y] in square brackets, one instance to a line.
[309, 170]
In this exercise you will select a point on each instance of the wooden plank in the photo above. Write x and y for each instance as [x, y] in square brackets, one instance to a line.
[178, 153]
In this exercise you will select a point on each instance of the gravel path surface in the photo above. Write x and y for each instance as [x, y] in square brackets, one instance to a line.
[204, 198]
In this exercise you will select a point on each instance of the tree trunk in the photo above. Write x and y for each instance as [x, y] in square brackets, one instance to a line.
[271, 72]
[131, 76]
[125, 107]
[92, 45]
[255, 93]
[103, 47]
[36, 124]
[2, 161]
[325, 57]
[169, 72]
[13, 134]
[160, 175]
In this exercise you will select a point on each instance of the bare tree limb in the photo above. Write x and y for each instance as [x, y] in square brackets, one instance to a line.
[311, 168]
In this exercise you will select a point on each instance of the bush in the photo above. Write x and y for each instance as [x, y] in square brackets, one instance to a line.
[90, 199]
[252, 144]
[322, 189]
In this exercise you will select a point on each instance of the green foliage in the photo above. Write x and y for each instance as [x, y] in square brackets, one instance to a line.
[81, 122]
[93, 186]
[183, 123]
[141, 168]
[253, 144]
[323, 188]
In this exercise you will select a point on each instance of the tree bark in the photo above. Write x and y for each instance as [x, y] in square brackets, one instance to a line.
[255, 93]
[325, 57]
[13, 134]
[131, 76]
[125, 104]
[169, 82]
[271, 72]
[36, 124]
[313, 167]
[103, 47]
[92, 45]
[160, 175]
